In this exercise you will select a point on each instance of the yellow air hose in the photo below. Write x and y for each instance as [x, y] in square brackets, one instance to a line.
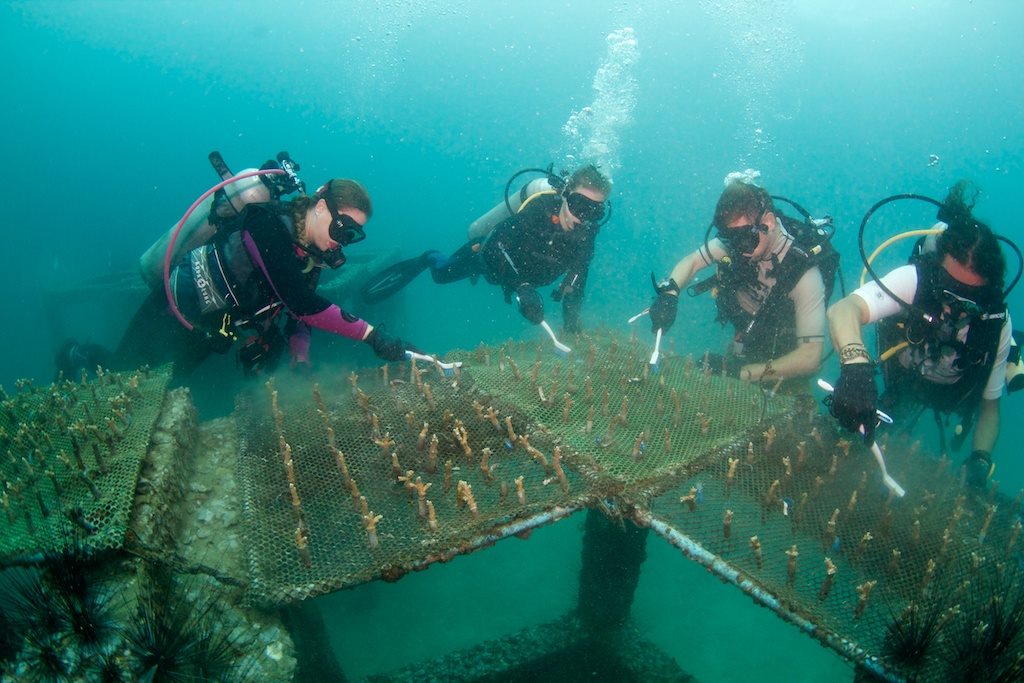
[892, 351]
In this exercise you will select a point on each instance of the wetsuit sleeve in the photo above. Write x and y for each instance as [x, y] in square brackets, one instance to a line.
[997, 377]
[574, 286]
[902, 282]
[288, 282]
[809, 303]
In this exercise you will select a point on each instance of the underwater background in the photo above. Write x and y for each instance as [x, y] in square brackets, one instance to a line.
[112, 107]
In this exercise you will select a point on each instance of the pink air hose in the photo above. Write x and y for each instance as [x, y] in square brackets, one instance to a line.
[181, 223]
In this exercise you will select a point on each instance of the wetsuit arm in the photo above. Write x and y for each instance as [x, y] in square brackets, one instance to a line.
[572, 289]
[264, 232]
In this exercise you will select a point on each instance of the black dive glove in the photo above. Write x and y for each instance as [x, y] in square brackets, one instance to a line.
[531, 306]
[386, 346]
[663, 308]
[978, 468]
[855, 397]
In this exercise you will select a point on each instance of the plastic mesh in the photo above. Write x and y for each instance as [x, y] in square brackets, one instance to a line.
[71, 459]
[331, 521]
[317, 540]
[645, 425]
[923, 551]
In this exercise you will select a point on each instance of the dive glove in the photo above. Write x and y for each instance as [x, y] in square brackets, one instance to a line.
[977, 469]
[853, 402]
[386, 346]
[531, 306]
[663, 308]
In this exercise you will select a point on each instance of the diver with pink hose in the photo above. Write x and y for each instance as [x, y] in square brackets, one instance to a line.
[238, 264]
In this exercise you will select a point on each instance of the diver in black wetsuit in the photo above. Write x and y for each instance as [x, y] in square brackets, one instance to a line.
[266, 263]
[551, 232]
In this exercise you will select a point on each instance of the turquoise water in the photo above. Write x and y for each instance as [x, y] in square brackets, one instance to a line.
[111, 107]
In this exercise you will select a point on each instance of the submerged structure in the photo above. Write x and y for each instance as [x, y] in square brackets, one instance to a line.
[307, 491]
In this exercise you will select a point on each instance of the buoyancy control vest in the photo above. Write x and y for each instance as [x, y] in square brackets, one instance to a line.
[225, 279]
[943, 364]
[531, 248]
[770, 332]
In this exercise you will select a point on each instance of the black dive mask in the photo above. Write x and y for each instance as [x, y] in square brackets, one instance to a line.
[583, 207]
[742, 239]
[345, 230]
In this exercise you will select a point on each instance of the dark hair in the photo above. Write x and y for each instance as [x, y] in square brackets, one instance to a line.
[589, 176]
[345, 194]
[969, 241]
[741, 199]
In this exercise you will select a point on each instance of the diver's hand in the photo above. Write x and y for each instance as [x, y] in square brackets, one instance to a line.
[978, 469]
[386, 346]
[663, 308]
[663, 311]
[855, 397]
[531, 306]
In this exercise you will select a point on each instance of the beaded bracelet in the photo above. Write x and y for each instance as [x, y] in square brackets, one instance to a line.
[852, 352]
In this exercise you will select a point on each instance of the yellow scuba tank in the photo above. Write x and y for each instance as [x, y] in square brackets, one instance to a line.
[198, 230]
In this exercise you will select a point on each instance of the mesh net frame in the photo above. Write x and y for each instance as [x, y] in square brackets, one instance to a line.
[778, 449]
[317, 541]
[72, 454]
[955, 551]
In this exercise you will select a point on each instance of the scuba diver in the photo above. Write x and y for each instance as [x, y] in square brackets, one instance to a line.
[774, 277]
[944, 334]
[259, 265]
[527, 241]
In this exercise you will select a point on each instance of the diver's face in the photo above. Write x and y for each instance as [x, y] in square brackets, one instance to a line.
[318, 230]
[589, 196]
[961, 273]
[741, 231]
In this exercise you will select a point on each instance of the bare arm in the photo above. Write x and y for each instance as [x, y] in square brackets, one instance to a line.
[987, 428]
[845, 320]
[685, 270]
[804, 360]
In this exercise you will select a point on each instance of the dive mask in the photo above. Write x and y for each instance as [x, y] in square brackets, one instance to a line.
[742, 239]
[583, 207]
[345, 230]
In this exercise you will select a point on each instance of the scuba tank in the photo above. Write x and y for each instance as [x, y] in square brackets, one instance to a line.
[202, 223]
[283, 179]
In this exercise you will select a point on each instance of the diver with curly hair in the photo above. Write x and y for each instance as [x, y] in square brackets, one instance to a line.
[944, 335]
[254, 280]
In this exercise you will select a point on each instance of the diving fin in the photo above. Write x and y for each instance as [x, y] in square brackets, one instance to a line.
[389, 281]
